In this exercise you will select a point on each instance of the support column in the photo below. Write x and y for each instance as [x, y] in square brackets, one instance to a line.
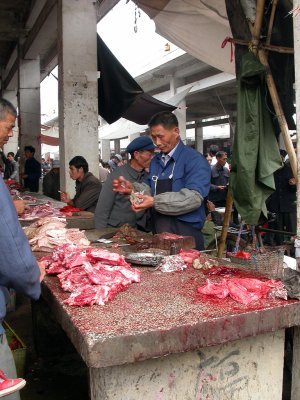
[77, 77]
[180, 112]
[105, 149]
[199, 137]
[29, 106]
[117, 146]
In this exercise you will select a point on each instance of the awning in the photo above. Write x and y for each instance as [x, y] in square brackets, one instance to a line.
[198, 27]
[124, 128]
[119, 95]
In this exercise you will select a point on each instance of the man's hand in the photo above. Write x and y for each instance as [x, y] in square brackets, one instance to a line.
[146, 202]
[221, 187]
[64, 196]
[121, 185]
[211, 206]
[292, 181]
[42, 270]
[20, 206]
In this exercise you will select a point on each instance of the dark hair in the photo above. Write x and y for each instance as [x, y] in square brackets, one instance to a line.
[31, 149]
[213, 150]
[221, 154]
[10, 154]
[165, 118]
[6, 107]
[80, 162]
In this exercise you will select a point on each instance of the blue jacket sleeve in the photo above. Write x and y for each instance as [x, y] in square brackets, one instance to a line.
[18, 267]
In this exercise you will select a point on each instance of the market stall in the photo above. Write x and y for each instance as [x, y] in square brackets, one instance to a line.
[161, 339]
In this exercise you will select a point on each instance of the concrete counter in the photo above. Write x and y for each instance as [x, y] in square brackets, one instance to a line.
[162, 327]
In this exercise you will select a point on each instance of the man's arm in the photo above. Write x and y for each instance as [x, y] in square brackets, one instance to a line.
[18, 267]
[104, 205]
[89, 196]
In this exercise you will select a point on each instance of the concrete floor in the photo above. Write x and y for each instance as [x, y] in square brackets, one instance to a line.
[52, 376]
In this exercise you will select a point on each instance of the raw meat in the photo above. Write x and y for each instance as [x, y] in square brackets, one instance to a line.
[46, 234]
[244, 290]
[189, 255]
[92, 275]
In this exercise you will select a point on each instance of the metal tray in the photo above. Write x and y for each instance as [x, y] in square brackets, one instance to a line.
[144, 258]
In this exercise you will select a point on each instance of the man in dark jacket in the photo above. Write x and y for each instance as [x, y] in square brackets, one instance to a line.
[114, 209]
[219, 180]
[88, 187]
[283, 202]
[32, 170]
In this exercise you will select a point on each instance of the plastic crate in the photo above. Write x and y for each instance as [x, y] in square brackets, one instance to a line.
[19, 353]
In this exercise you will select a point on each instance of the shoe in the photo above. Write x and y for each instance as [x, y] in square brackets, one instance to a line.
[8, 386]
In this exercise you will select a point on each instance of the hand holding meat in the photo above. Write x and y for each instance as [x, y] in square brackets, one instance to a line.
[145, 202]
[121, 185]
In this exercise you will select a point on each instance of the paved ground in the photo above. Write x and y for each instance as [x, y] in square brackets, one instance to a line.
[51, 376]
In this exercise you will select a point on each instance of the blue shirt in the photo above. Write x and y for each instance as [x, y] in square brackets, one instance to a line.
[188, 169]
[18, 267]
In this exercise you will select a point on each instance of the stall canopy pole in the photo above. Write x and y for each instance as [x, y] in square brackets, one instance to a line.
[296, 20]
[277, 105]
[255, 31]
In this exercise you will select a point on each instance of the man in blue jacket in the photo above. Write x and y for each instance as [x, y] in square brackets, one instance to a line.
[179, 180]
[18, 268]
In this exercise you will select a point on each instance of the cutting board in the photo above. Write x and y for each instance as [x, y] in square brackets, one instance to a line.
[81, 220]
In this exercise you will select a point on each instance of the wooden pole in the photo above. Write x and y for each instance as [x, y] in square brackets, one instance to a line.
[262, 55]
[271, 22]
[255, 30]
[227, 217]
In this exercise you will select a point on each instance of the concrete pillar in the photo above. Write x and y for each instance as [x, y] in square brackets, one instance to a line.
[105, 149]
[29, 106]
[199, 137]
[77, 77]
[180, 112]
[117, 146]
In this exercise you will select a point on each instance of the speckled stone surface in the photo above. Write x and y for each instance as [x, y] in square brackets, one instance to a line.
[161, 315]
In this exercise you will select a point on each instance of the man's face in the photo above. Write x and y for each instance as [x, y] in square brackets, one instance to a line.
[10, 157]
[222, 160]
[143, 157]
[165, 139]
[6, 128]
[76, 173]
[28, 154]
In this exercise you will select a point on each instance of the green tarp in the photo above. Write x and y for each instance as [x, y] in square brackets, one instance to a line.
[255, 150]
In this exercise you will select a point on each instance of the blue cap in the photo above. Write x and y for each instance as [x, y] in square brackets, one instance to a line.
[140, 143]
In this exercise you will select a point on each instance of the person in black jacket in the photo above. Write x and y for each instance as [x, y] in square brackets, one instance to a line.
[32, 170]
[219, 180]
[283, 202]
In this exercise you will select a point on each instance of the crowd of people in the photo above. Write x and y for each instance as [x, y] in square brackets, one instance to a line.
[161, 185]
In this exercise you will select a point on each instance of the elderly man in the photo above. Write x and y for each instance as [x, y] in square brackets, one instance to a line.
[88, 187]
[18, 268]
[179, 180]
[219, 180]
[113, 209]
